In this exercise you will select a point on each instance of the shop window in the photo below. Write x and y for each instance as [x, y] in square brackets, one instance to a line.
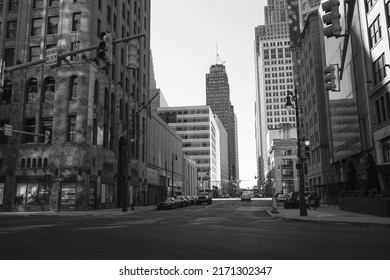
[53, 3]
[107, 193]
[31, 90]
[32, 194]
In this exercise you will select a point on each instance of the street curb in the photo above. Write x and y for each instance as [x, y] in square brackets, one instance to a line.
[367, 224]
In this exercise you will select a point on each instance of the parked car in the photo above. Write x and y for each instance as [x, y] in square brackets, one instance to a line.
[181, 201]
[192, 199]
[204, 198]
[167, 203]
[246, 197]
[281, 197]
[292, 201]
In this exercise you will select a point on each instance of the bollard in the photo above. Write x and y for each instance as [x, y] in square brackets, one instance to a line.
[274, 205]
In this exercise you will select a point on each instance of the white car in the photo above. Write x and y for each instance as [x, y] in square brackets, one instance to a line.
[281, 197]
[246, 197]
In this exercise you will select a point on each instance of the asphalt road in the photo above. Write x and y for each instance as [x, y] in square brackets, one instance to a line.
[225, 230]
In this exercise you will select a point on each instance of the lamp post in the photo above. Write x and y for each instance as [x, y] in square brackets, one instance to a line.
[289, 105]
[174, 158]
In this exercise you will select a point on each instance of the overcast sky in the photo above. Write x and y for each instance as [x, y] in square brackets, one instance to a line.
[185, 37]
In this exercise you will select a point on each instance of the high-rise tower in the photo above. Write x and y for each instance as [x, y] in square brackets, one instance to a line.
[218, 98]
[274, 77]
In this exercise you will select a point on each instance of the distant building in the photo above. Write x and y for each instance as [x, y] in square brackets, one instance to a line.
[218, 98]
[201, 140]
[274, 77]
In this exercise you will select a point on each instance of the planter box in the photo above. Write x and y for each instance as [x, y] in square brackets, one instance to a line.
[366, 205]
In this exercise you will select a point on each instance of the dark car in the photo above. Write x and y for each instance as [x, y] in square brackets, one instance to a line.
[168, 203]
[292, 200]
[181, 201]
[204, 198]
[192, 199]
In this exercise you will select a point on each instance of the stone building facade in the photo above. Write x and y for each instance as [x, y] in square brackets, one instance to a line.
[94, 110]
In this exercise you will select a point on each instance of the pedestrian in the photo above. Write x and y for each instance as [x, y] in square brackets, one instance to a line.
[310, 198]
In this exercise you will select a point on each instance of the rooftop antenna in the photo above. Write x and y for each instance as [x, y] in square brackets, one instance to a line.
[217, 53]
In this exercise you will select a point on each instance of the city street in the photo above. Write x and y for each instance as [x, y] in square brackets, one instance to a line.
[227, 229]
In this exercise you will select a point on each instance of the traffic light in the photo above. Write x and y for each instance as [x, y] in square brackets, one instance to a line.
[133, 54]
[330, 77]
[47, 137]
[306, 148]
[331, 18]
[105, 47]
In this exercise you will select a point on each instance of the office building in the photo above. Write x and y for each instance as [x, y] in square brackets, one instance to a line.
[201, 140]
[92, 108]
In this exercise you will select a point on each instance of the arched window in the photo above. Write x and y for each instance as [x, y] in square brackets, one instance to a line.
[28, 163]
[106, 100]
[34, 163]
[23, 163]
[45, 162]
[49, 87]
[73, 86]
[5, 98]
[31, 90]
[39, 162]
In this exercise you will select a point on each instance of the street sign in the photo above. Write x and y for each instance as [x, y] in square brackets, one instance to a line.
[8, 130]
[51, 56]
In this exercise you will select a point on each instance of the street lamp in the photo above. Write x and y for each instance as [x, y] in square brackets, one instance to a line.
[289, 106]
[174, 158]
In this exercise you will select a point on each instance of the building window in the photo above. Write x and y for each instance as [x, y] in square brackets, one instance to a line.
[11, 29]
[379, 69]
[49, 85]
[13, 5]
[46, 125]
[369, 4]
[52, 25]
[38, 4]
[29, 126]
[386, 149]
[34, 54]
[76, 21]
[36, 26]
[53, 3]
[73, 84]
[105, 136]
[9, 55]
[5, 98]
[375, 32]
[71, 129]
[3, 138]
[31, 90]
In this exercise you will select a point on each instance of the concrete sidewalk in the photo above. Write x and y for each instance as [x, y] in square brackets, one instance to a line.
[329, 214]
[100, 212]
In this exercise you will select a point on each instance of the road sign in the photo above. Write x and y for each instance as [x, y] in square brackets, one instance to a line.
[8, 130]
[51, 56]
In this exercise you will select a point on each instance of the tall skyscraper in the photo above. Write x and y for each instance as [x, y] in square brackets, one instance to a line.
[274, 77]
[92, 108]
[218, 98]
